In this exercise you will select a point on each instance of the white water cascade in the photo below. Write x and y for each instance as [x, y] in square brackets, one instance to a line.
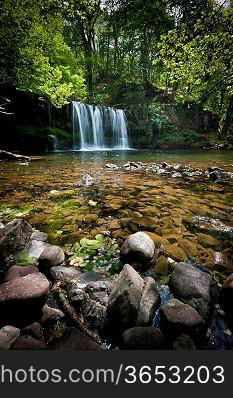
[97, 128]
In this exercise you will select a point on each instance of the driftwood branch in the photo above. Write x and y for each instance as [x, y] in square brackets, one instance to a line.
[58, 289]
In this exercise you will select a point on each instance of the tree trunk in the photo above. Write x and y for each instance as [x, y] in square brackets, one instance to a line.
[226, 122]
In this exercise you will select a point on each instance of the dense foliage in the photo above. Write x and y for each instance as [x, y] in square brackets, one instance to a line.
[121, 51]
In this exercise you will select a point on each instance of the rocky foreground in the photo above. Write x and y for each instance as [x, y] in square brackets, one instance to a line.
[49, 305]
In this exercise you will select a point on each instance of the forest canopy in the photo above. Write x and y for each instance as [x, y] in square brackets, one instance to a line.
[103, 50]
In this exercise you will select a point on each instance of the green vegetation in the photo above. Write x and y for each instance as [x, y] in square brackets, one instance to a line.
[10, 212]
[24, 259]
[95, 253]
[159, 54]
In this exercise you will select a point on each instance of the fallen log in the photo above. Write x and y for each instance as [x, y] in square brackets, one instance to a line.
[71, 313]
[9, 156]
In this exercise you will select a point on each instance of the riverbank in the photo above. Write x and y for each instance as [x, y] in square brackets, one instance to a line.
[46, 303]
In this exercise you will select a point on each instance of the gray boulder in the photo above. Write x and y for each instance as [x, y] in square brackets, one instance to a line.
[74, 339]
[34, 330]
[8, 334]
[150, 301]
[20, 270]
[28, 343]
[38, 235]
[36, 248]
[184, 343]
[124, 300]
[143, 338]
[22, 299]
[192, 286]
[51, 256]
[14, 237]
[178, 318]
[91, 299]
[65, 273]
[51, 315]
[138, 250]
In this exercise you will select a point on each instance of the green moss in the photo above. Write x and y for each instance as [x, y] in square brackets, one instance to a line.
[23, 258]
[10, 212]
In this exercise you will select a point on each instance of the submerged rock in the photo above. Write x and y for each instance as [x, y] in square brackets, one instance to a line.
[138, 250]
[192, 286]
[143, 338]
[210, 226]
[111, 166]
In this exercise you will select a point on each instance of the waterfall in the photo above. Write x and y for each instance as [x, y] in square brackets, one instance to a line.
[98, 127]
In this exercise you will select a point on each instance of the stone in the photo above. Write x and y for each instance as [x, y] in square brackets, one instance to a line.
[124, 300]
[65, 273]
[192, 286]
[91, 300]
[226, 299]
[184, 343]
[28, 343]
[157, 239]
[176, 175]
[51, 315]
[215, 175]
[94, 313]
[74, 339]
[8, 334]
[22, 299]
[207, 240]
[38, 235]
[20, 270]
[178, 318]
[138, 250]
[174, 252]
[14, 237]
[209, 226]
[149, 303]
[51, 256]
[162, 265]
[143, 338]
[34, 330]
[189, 248]
[111, 166]
[36, 248]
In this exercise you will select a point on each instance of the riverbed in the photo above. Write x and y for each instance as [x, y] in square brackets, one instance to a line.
[71, 195]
